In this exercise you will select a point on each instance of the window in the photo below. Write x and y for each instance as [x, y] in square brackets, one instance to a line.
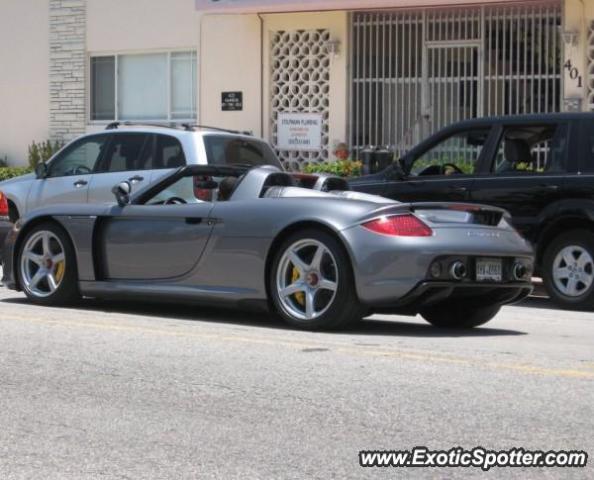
[103, 88]
[179, 193]
[225, 150]
[127, 152]
[150, 87]
[170, 153]
[80, 158]
[532, 149]
[587, 160]
[455, 155]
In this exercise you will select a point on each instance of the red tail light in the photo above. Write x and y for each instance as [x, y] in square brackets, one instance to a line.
[3, 205]
[400, 226]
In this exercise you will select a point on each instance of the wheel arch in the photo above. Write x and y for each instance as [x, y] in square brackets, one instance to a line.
[562, 225]
[291, 229]
[13, 211]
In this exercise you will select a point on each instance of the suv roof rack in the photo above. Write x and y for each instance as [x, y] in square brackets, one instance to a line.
[116, 125]
[189, 127]
[193, 126]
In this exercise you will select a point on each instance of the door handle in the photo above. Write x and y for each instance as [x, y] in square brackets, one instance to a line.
[80, 183]
[136, 179]
[193, 221]
[459, 189]
[552, 188]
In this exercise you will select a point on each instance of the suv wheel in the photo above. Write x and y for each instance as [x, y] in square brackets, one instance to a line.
[568, 269]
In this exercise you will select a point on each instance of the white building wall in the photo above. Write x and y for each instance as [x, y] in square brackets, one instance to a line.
[229, 60]
[578, 29]
[24, 87]
[141, 25]
[138, 26]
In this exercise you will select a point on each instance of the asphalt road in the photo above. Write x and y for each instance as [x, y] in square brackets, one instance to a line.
[166, 391]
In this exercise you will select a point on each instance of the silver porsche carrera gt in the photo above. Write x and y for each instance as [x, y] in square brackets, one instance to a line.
[306, 247]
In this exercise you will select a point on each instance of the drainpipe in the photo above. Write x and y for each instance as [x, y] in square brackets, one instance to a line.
[261, 75]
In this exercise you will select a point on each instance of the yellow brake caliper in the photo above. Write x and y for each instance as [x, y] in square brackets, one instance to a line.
[299, 296]
[59, 269]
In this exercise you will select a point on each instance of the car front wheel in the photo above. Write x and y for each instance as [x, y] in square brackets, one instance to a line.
[458, 314]
[47, 266]
[568, 269]
[311, 282]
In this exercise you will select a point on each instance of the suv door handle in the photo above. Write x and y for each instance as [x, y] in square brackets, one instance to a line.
[552, 188]
[459, 189]
[193, 221]
[136, 179]
[80, 183]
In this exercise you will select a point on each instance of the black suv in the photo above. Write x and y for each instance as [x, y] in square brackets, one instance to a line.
[538, 167]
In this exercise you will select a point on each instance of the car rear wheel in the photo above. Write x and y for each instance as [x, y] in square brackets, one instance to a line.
[457, 314]
[47, 266]
[568, 269]
[311, 282]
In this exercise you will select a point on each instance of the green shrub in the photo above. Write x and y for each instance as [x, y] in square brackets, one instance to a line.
[42, 152]
[341, 168]
[10, 172]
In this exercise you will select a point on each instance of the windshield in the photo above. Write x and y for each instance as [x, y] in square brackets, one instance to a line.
[234, 151]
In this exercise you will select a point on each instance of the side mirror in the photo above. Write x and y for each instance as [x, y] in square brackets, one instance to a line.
[397, 170]
[41, 170]
[122, 193]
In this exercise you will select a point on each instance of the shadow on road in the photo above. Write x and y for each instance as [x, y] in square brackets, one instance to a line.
[409, 329]
[220, 315]
[538, 302]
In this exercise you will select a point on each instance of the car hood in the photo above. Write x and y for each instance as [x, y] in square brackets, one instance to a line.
[22, 178]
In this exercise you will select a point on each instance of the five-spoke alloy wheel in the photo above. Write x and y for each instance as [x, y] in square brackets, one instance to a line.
[573, 270]
[47, 265]
[312, 284]
[568, 269]
[306, 279]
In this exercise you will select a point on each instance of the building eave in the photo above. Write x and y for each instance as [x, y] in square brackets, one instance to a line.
[286, 6]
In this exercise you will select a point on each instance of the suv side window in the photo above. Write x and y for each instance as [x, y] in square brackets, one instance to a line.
[126, 152]
[169, 153]
[80, 158]
[226, 150]
[530, 149]
[587, 158]
[457, 154]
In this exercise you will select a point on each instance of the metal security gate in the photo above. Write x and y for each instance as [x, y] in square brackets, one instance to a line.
[452, 83]
[413, 72]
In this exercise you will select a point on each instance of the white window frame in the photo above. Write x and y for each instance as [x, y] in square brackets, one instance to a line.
[116, 56]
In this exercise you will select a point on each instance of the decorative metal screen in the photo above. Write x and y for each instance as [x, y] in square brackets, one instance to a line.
[300, 82]
[414, 72]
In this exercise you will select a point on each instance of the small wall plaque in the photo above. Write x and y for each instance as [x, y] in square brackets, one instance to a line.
[232, 101]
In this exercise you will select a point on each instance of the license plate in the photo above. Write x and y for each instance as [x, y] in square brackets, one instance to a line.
[489, 270]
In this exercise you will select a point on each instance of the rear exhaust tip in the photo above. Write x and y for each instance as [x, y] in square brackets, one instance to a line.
[519, 271]
[458, 270]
